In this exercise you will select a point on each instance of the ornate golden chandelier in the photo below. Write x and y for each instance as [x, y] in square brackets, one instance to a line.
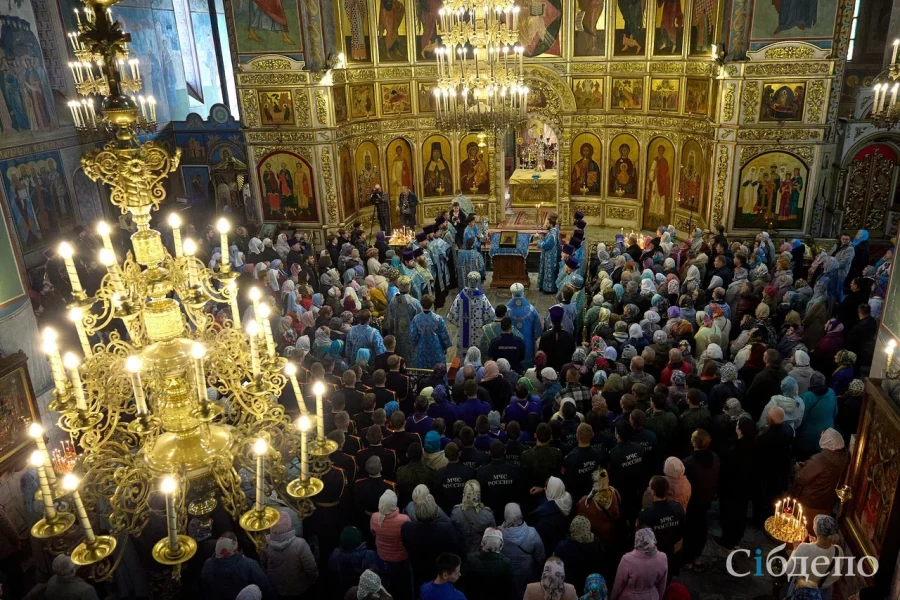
[886, 111]
[481, 81]
[137, 408]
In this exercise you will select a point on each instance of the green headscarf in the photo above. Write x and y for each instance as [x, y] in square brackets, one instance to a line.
[527, 383]
[351, 539]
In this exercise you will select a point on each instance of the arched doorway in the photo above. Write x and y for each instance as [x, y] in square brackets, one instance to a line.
[869, 193]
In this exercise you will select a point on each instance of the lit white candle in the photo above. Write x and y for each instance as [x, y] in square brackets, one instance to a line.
[76, 315]
[223, 226]
[255, 296]
[894, 94]
[168, 488]
[319, 390]
[260, 447]
[175, 224]
[894, 53]
[264, 313]
[70, 484]
[304, 425]
[37, 434]
[190, 249]
[290, 370]
[198, 353]
[56, 366]
[253, 333]
[70, 361]
[152, 102]
[133, 365]
[78, 17]
[66, 251]
[108, 260]
[103, 231]
[37, 461]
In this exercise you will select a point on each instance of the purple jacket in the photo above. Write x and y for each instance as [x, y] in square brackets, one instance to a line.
[641, 577]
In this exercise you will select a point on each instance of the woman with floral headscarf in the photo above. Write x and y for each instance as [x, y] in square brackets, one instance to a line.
[822, 550]
[843, 375]
[376, 296]
[471, 517]
[552, 585]
[601, 508]
[792, 336]
[551, 517]
[595, 588]
[487, 574]
[385, 526]
[613, 390]
[581, 552]
[642, 572]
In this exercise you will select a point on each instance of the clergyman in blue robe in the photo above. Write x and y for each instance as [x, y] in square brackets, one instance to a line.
[550, 255]
[525, 320]
[401, 310]
[429, 337]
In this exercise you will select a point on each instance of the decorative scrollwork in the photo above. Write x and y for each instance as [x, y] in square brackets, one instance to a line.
[815, 101]
[721, 177]
[330, 194]
[750, 102]
[135, 174]
[728, 102]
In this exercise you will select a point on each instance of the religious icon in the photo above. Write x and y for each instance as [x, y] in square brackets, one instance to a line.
[426, 97]
[391, 31]
[196, 183]
[395, 99]
[438, 179]
[623, 172]
[660, 160]
[539, 23]
[348, 189]
[400, 173]
[630, 32]
[362, 101]
[696, 97]
[585, 178]
[782, 102]
[356, 22]
[276, 108]
[772, 188]
[288, 188]
[627, 94]
[669, 27]
[588, 94]
[473, 170]
[368, 172]
[691, 176]
[267, 15]
[508, 239]
[340, 103]
[427, 41]
[590, 28]
[702, 22]
[664, 95]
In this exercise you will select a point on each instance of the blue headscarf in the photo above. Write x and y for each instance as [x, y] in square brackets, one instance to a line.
[595, 588]
[390, 407]
[363, 354]
[796, 244]
[619, 289]
[432, 441]
[789, 387]
[439, 393]
[318, 300]
[336, 348]
[395, 262]
[861, 236]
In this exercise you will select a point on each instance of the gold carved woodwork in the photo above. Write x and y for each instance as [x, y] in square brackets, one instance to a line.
[777, 134]
[280, 78]
[750, 102]
[683, 223]
[304, 151]
[697, 68]
[869, 192]
[623, 213]
[271, 64]
[590, 210]
[330, 194]
[728, 102]
[732, 70]
[433, 210]
[627, 67]
[804, 152]
[404, 73]
[250, 107]
[367, 75]
[321, 107]
[280, 136]
[301, 108]
[803, 68]
[790, 53]
[666, 67]
[721, 177]
[588, 67]
[815, 100]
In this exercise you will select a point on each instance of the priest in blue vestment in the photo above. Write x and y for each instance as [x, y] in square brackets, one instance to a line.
[401, 310]
[471, 310]
[429, 336]
[525, 320]
[469, 260]
[409, 269]
[550, 253]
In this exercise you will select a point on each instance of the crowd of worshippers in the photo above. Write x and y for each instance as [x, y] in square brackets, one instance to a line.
[576, 455]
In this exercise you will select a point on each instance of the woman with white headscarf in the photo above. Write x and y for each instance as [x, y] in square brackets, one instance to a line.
[487, 573]
[385, 525]
[256, 248]
[273, 280]
[281, 246]
[349, 292]
[472, 359]
[552, 585]
[471, 517]
[642, 572]
[551, 517]
[522, 546]
[289, 297]
[421, 496]
[691, 280]
[259, 270]
[816, 479]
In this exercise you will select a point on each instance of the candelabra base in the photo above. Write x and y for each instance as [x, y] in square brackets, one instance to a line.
[143, 425]
[207, 413]
[788, 535]
[195, 298]
[88, 554]
[227, 276]
[259, 520]
[80, 420]
[322, 447]
[62, 403]
[48, 528]
[300, 488]
[162, 554]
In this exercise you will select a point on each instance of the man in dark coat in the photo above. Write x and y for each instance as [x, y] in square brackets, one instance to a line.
[861, 338]
[382, 206]
[772, 463]
[627, 470]
[374, 447]
[448, 488]
[415, 472]
[580, 464]
[557, 343]
[501, 482]
[702, 469]
[766, 384]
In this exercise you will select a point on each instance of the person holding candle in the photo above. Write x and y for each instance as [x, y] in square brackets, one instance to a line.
[228, 572]
[288, 561]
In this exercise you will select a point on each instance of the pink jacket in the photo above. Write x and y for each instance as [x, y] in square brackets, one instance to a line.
[641, 577]
[388, 544]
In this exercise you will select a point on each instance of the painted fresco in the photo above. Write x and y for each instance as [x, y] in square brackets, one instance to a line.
[782, 101]
[357, 42]
[703, 23]
[586, 179]
[268, 27]
[427, 39]
[590, 28]
[392, 31]
[340, 103]
[659, 186]
[399, 160]
[627, 94]
[288, 189]
[396, 99]
[474, 170]
[196, 184]
[426, 97]
[276, 108]
[39, 203]
[368, 170]
[26, 102]
[630, 34]
[664, 94]
[690, 177]
[772, 188]
[91, 198]
[669, 16]
[348, 190]
[623, 166]
[588, 94]
[793, 19]
[193, 147]
[436, 160]
[696, 97]
[539, 25]
[362, 101]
